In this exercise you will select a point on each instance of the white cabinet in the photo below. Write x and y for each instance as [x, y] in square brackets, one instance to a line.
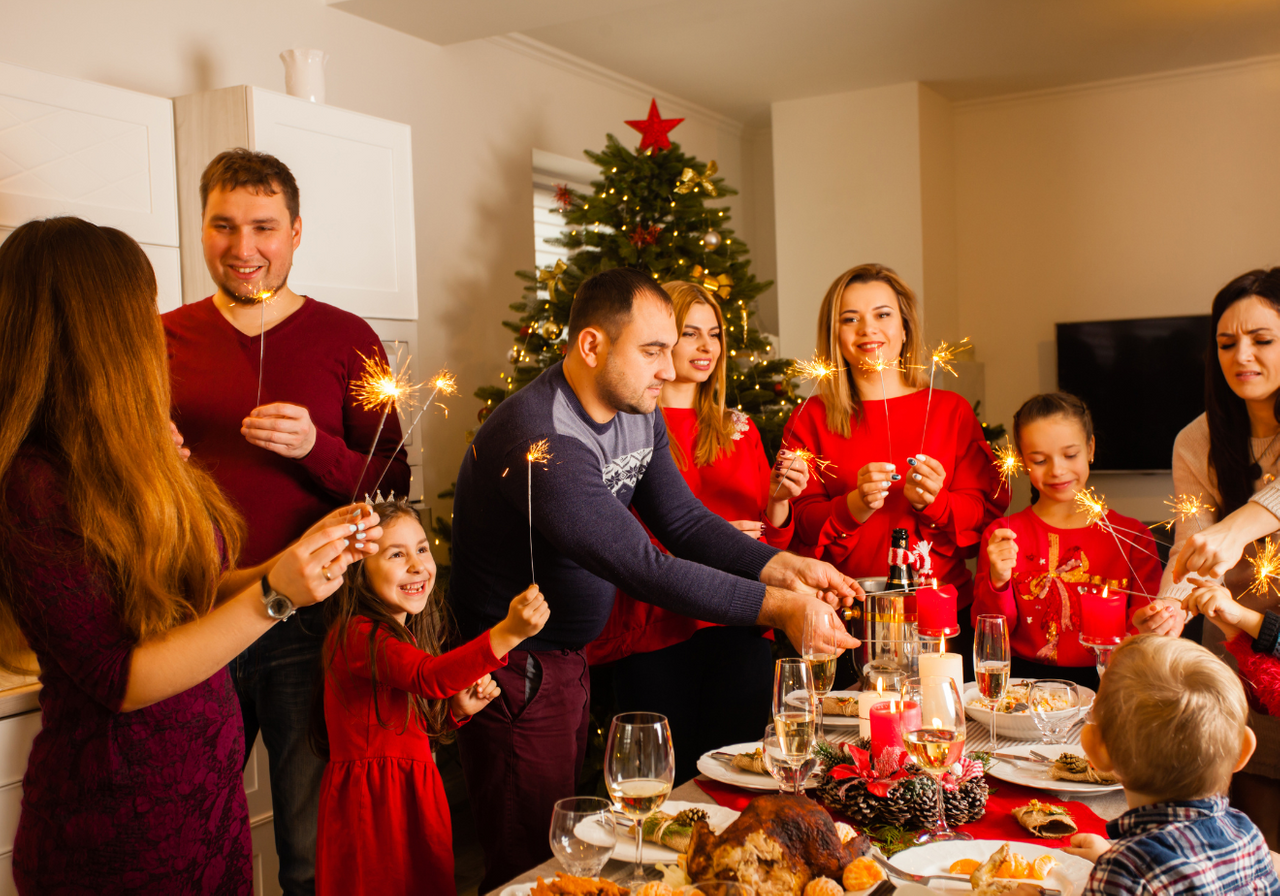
[355, 179]
[71, 147]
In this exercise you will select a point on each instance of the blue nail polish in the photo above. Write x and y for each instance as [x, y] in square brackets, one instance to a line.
[912, 461]
[895, 477]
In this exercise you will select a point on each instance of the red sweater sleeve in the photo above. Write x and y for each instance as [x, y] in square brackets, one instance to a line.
[409, 668]
[1260, 671]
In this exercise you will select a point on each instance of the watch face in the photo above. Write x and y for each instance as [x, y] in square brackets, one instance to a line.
[279, 607]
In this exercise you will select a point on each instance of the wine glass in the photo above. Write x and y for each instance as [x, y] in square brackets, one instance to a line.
[639, 769]
[819, 651]
[583, 834]
[793, 713]
[789, 777]
[939, 741]
[1054, 704]
[991, 663]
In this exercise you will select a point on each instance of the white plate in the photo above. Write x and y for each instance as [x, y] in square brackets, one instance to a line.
[720, 770]
[1070, 874]
[518, 889]
[1020, 726]
[718, 817]
[834, 721]
[1036, 774]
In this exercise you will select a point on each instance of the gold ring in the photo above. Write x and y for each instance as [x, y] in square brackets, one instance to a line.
[327, 577]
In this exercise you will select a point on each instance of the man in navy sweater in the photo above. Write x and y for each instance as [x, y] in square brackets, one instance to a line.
[597, 410]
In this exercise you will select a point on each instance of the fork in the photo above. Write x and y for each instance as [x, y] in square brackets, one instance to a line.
[862, 844]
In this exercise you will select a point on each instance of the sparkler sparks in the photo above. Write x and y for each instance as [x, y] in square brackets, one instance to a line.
[1008, 463]
[1185, 507]
[879, 366]
[538, 453]
[816, 370]
[261, 297]
[817, 465]
[1093, 505]
[942, 357]
[1266, 567]
[444, 382]
[379, 384]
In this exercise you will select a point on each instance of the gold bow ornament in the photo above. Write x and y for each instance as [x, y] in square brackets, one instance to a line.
[716, 285]
[691, 180]
[549, 277]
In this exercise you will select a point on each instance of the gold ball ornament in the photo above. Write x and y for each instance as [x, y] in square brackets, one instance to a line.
[712, 239]
[550, 331]
[514, 355]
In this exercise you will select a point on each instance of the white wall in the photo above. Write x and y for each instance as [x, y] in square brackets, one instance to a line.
[1138, 198]
[477, 111]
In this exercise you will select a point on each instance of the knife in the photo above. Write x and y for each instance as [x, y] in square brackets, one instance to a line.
[1017, 758]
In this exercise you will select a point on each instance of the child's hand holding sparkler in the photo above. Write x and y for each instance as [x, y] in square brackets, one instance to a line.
[281, 427]
[471, 700]
[1216, 604]
[1002, 557]
[526, 616]
[1160, 617]
[924, 482]
[873, 487]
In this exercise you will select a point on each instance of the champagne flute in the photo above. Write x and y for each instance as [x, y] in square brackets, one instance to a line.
[819, 651]
[939, 741]
[991, 661]
[793, 712]
[583, 834]
[789, 777]
[639, 769]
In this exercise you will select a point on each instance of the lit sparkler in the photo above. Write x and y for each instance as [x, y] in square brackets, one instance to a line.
[817, 465]
[1266, 566]
[380, 384]
[1008, 463]
[1094, 507]
[261, 297]
[538, 453]
[880, 365]
[445, 383]
[815, 371]
[1186, 507]
[942, 357]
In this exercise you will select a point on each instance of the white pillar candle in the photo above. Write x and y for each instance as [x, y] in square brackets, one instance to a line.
[868, 699]
[942, 665]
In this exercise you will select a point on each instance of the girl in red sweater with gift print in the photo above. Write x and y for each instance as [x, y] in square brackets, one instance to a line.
[721, 457]
[891, 468]
[388, 689]
[1036, 563]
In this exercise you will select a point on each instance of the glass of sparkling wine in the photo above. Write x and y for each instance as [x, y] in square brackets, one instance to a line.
[991, 661]
[789, 777]
[583, 834]
[820, 653]
[939, 743]
[793, 711]
[639, 769]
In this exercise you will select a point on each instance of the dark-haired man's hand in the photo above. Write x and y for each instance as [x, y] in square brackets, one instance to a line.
[809, 576]
[281, 427]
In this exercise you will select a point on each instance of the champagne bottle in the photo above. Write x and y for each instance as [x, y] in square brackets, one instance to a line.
[900, 577]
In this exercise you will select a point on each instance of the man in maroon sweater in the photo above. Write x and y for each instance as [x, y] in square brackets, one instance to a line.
[287, 458]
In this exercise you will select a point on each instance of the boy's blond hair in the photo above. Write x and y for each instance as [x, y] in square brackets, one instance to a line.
[1172, 716]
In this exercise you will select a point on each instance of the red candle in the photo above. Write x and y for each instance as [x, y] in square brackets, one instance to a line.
[1102, 618]
[889, 721]
[936, 612]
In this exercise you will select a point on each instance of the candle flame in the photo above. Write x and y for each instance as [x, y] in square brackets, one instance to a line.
[817, 369]
[1092, 504]
[893, 706]
[1008, 463]
[539, 452]
[1266, 566]
[937, 722]
[381, 386]
[1185, 507]
[880, 686]
[946, 352]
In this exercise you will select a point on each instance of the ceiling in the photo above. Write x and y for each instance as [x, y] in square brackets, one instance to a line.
[738, 56]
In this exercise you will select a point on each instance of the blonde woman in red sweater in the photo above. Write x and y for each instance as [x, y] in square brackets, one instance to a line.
[719, 452]
[890, 470]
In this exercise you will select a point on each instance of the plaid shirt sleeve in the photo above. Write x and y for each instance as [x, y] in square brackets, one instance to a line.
[1114, 875]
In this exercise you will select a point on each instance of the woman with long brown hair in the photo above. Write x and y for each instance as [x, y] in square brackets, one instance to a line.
[721, 457]
[113, 570]
[890, 470]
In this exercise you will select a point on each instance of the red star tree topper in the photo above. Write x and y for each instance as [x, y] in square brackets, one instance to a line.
[653, 130]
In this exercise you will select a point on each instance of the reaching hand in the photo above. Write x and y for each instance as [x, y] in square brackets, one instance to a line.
[1088, 846]
[806, 575]
[1002, 555]
[1217, 605]
[924, 482]
[311, 568]
[754, 528]
[526, 615]
[281, 427]
[1160, 617]
[471, 700]
[873, 487]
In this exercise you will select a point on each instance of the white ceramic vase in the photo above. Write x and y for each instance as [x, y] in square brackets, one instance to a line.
[304, 73]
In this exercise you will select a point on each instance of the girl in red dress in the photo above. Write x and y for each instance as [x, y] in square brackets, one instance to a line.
[384, 820]
[721, 457]
[890, 470]
[1036, 563]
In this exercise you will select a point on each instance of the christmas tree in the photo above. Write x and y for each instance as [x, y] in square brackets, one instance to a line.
[649, 210]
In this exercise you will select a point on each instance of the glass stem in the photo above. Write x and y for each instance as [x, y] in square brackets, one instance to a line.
[638, 871]
[942, 810]
[994, 744]
[818, 719]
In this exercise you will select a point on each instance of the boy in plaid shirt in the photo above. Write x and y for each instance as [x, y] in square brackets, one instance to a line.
[1169, 722]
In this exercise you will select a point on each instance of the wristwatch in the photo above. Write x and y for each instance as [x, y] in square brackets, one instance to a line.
[278, 606]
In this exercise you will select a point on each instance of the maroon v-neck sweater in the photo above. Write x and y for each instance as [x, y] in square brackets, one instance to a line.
[310, 360]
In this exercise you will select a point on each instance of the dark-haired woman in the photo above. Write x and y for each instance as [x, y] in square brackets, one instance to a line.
[1229, 457]
[889, 469]
[112, 559]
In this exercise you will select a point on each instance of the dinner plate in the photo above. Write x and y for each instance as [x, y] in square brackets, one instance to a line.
[1036, 774]
[1070, 874]
[718, 769]
[718, 817]
[1020, 726]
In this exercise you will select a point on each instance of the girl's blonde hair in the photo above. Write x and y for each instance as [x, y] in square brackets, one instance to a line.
[715, 424]
[840, 393]
[85, 380]
[427, 631]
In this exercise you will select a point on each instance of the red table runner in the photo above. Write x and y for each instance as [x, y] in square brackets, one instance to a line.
[996, 823]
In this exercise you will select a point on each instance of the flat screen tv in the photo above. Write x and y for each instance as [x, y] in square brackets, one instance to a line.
[1143, 380]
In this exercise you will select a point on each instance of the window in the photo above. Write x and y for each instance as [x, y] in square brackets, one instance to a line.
[548, 171]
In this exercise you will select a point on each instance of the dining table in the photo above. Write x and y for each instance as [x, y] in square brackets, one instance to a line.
[1106, 805]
